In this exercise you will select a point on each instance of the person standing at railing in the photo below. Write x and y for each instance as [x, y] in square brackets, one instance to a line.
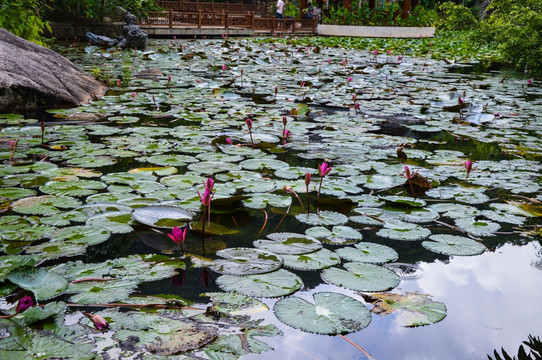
[280, 9]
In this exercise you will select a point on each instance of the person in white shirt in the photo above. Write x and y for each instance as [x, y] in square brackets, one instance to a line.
[280, 8]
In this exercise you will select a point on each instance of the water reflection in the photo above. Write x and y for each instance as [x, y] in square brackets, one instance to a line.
[492, 302]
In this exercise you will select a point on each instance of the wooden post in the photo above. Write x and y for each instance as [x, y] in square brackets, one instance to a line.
[303, 4]
[293, 25]
[225, 18]
[199, 19]
[170, 18]
[252, 20]
[197, 5]
[314, 25]
[406, 8]
[274, 24]
[347, 4]
[180, 5]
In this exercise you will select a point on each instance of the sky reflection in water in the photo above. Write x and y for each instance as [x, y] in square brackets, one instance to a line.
[492, 302]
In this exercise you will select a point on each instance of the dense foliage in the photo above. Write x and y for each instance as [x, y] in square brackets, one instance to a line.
[23, 18]
[92, 10]
[455, 17]
[389, 15]
[516, 27]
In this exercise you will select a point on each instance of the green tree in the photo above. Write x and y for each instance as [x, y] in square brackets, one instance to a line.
[24, 18]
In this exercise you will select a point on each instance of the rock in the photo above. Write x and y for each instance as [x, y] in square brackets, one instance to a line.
[134, 37]
[149, 73]
[33, 78]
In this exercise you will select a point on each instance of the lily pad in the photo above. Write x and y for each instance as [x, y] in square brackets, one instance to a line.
[313, 261]
[362, 277]
[453, 245]
[72, 188]
[330, 314]
[236, 304]
[163, 217]
[275, 284]
[323, 218]
[339, 235]
[44, 205]
[398, 230]
[117, 222]
[477, 227]
[289, 243]
[42, 283]
[245, 261]
[368, 252]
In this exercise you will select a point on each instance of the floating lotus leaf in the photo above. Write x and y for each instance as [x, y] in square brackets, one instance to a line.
[259, 164]
[369, 216]
[15, 193]
[404, 201]
[92, 162]
[259, 186]
[330, 314]
[12, 262]
[71, 171]
[164, 217]
[65, 218]
[260, 201]
[339, 235]
[42, 283]
[181, 181]
[117, 222]
[314, 261]
[82, 235]
[24, 180]
[289, 243]
[411, 309]
[99, 208]
[16, 222]
[72, 188]
[245, 261]
[398, 230]
[453, 245]
[293, 173]
[158, 334]
[420, 216]
[503, 217]
[454, 211]
[108, 197]
[477, 227]
[510, 208]
[44, 205]
[171, 160]
[47, 345]
[361, 277]
[323, 218]
[236, 304]
[97, 292]
[212, 167]
[30, 233]
[275, 284]
[127, 178]
[368, 253]
[238, 176]
[38, 313]
[160, 171]
[378, 182]
[57, 249]
[533, 209]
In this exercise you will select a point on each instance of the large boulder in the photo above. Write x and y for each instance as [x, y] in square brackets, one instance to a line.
[33, 78]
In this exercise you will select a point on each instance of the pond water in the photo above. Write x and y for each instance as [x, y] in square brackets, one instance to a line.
[446, 261]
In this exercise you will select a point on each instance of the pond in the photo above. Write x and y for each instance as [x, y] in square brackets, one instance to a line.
[419, 239]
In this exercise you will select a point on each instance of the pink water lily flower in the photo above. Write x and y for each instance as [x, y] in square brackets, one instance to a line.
[209, 184]
[308, 178]
[349, 78]
[178, 235]
[134, 94]
[407, 174]
[99, 321]
[530, 81]
[24, 304]
[375, 52]
[249, 124]
[224, 67]
[324, 169]
[206, 197]
[118, 82]
[399, 58]
[228, 141]
[469, 168]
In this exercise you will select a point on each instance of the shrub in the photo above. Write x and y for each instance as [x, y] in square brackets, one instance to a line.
[23, 18]
[455, 17]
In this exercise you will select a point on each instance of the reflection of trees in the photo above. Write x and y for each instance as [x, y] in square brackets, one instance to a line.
[533, 352]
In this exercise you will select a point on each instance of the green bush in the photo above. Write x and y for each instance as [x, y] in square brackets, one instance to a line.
[516, 28]
[455, 17]
[24, 18]
[92, 10]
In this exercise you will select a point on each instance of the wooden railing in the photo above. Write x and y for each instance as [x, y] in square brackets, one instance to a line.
[227, 20]
[208, 7]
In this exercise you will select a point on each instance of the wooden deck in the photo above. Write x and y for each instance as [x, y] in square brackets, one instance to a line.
[234, 23]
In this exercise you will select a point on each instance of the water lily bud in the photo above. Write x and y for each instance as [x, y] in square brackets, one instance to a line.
[249, 124]
[24, 304]
[308, 178]
[100, 322]
[284, 121]
[228, 141]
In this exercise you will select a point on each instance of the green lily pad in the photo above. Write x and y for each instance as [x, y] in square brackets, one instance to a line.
[163, 217]
[85, 235]
[260, 201]
[453, 245]
[57, 249]
[44, 205]
[362, 277]
[15, 193]
[323, 218]
[330, 314]
[368, 252]
[339, 235]
[411, 309]
[288, 243]
[403, 201]
[72, 188]
[236, 304]
[99, 292]
[9, 263]
[398, 230]
[245, 261]
[42, 283]
[317, 260]
[477, 227]
[117, 222]
[275, 284]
